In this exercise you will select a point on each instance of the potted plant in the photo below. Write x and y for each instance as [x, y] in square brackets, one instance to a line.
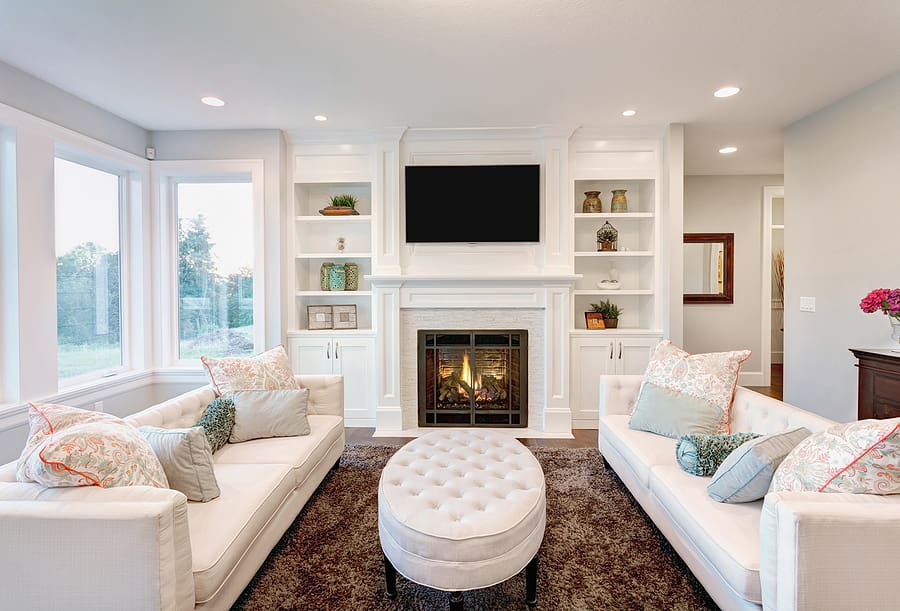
[610, 312]
[340, 204]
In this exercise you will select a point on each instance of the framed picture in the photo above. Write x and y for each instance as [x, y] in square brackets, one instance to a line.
[344, 316]
[594, 320]
[319, 317]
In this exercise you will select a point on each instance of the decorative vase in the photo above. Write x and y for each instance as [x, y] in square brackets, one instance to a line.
[324, 277]
[592, 202]
[619, 203]
[895, 325]
[351, 273]
[337, 278]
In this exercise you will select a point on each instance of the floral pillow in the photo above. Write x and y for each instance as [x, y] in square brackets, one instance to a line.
[68, 446]
[858, 457]
[710, 377]
[269, 370]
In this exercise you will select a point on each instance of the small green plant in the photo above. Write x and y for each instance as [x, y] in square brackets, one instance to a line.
[608, 309]
[345, 200]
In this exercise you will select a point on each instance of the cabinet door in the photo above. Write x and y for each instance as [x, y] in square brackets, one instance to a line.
[633, 354]
[354, 359]
[590, 358]
[313, 355]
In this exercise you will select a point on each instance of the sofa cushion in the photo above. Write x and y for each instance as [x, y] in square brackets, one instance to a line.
[222, 529]
[259, 414]
[727, 535]
[746, 474]
[268, 370]
[710, 377]
[642, 450]
[302, 452]
[862, 457]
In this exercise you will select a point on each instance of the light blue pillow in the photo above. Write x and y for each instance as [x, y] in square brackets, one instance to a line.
[673, 414]
[745, 475]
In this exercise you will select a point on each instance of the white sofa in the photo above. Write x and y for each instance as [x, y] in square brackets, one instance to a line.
[805, 551]
[146, 548]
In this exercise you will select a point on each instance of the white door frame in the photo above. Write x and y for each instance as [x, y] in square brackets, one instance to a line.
[769, 194]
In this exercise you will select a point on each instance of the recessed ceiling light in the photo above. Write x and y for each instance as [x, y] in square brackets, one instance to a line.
[629, 113]
[727, 150]
[213, 101]
[320, 118]
[726, 92]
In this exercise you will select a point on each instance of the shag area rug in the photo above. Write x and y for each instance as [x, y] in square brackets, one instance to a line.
[600, 550]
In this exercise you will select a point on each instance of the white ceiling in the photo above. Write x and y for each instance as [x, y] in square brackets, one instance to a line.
[464, 63]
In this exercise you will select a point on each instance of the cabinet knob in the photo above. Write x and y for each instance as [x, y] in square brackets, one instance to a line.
[328, 351]
[610, 350]
[620, 351]
[336, 348]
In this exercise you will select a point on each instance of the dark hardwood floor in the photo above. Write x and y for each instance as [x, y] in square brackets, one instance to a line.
[584, 438]
[776, 383]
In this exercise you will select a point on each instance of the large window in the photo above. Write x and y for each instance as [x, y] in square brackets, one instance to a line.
[215, 268]
[88, 271]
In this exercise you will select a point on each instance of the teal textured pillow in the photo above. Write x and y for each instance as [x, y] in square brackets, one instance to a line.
[672, 414]
[218, 420]
[748, 471]
[702, 454]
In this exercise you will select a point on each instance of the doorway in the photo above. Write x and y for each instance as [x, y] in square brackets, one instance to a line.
[772, 302]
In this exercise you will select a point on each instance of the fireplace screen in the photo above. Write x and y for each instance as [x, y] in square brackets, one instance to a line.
[473, 378]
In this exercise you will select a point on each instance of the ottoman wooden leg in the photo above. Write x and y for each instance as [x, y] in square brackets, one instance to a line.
[390, 579]
[456, 601]
[531, 582]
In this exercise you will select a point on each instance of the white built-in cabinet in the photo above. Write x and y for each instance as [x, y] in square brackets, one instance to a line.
[348, 354]
[599, 164]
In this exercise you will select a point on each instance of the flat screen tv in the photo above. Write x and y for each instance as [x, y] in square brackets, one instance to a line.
[473, 203]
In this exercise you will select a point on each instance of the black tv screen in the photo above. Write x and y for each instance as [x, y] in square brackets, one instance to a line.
[473, 203]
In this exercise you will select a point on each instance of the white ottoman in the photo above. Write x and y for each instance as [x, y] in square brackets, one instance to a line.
[460, 510]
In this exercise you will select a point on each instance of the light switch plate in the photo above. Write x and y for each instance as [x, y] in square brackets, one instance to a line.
[807, 304]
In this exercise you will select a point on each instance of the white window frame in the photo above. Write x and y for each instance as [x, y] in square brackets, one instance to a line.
[166, 177]
[123, 173]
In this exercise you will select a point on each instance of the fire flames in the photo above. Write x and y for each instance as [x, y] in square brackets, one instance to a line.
[466, 374]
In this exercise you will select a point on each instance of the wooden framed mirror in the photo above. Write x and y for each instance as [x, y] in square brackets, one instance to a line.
[708, 268]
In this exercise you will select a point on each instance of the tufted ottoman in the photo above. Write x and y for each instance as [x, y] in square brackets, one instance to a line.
[461, 509]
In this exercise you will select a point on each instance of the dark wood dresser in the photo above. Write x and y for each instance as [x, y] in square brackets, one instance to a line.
[879, 382]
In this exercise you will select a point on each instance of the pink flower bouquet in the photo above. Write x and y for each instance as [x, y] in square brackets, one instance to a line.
[886, 300]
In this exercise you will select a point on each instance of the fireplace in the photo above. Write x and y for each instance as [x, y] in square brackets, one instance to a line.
[473, 378]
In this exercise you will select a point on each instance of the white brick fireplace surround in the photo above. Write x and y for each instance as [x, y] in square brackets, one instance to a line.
[538, 304]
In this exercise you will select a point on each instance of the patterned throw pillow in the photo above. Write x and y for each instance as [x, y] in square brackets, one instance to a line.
[710, 377]
[217, 421]
[68, 446]
[269, 370]
[859, 457]
[702, 454]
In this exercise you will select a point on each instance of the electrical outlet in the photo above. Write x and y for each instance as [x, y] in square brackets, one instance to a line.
[150, 153]
[807, 304]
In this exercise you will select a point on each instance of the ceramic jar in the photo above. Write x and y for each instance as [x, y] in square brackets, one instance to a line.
[591, 202]
[618, 203]
[351, 273]
[337, 278]
[324, 277]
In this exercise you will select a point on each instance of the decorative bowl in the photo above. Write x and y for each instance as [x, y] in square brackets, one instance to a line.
[608, 285]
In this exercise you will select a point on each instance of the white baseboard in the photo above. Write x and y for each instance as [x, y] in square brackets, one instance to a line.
[750, 378]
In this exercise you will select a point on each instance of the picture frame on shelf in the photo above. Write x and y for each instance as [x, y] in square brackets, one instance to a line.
[319, 317]
[344, 316]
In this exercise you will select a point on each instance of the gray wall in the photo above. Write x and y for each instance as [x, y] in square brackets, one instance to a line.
[729, 204]
[842, 211]
[34, 96]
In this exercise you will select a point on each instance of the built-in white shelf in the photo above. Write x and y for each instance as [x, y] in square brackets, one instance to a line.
[613, 215]
[629, 331]
[615, 253]
[334, 255]
[335, 218]
[613, 292]
[333, 293]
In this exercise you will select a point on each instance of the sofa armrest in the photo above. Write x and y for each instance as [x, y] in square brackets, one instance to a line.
[326, 394]
[94, 548]
[829, 551]
[618, 393]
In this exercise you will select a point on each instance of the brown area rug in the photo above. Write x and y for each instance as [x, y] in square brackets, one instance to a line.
[600, 550]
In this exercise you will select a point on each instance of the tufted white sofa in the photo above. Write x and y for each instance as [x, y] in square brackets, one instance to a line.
[791, 551]
[147, 549]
